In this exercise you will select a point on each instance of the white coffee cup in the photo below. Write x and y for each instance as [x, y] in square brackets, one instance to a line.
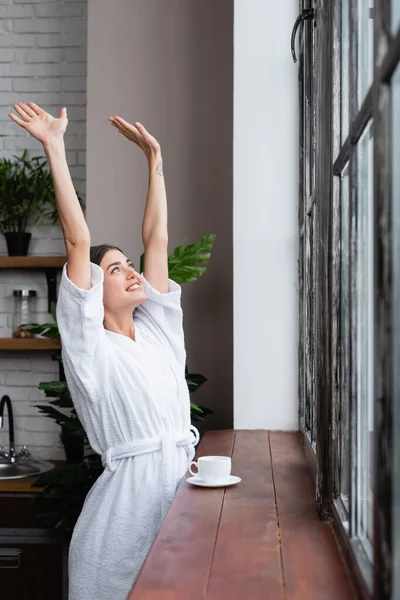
[212, 468]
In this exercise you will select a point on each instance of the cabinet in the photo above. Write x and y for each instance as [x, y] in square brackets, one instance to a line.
[33, 560]
[31, 568]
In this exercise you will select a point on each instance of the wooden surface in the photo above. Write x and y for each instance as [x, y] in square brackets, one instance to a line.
[19, 485]
[23, 484]
[29, 344]
[258, 539]
[32, 262]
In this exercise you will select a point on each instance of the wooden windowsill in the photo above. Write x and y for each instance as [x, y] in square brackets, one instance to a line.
[258, 539]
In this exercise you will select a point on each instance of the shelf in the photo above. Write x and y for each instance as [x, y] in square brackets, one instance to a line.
[29, 344]
[32, 262]
[49, 264]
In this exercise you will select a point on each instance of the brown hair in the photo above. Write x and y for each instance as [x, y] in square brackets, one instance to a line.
[97, 252]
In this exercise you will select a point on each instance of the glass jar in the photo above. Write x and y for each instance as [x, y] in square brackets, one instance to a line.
[24, 311]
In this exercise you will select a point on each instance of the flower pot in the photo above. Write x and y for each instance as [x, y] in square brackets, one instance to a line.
[17, 242]
[73, 446]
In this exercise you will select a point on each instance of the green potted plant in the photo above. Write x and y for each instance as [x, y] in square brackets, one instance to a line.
[66, 487]
[26, 196]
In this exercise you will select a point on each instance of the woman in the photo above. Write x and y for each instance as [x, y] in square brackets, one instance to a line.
[124, 359]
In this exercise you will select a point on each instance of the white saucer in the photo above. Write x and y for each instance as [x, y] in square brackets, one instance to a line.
[231, 480]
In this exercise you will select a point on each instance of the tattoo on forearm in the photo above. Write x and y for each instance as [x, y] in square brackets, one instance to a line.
[160, 168]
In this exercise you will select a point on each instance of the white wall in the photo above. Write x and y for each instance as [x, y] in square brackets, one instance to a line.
[265, 216]
[42, 59]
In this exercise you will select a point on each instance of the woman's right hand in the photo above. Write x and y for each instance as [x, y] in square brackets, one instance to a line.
[39, 123]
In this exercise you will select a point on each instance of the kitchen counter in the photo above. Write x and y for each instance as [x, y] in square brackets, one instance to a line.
[23, 484]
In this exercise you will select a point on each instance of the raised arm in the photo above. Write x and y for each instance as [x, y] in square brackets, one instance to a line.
[50, 132]
[155, 222]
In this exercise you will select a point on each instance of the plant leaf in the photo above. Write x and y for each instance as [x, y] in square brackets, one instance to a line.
[184, 264]
[53, 413]
[58, 387]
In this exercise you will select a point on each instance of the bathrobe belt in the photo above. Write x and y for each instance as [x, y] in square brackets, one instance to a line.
[164, 443]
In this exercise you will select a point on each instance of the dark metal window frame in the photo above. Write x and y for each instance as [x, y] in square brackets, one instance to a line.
[307, 232]
[324, 203]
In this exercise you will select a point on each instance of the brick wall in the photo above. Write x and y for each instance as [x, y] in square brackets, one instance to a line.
[42, 59]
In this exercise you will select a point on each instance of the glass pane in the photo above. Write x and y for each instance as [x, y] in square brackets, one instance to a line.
[309, 355]
[395, 7]
[364, 342]
[396, 320]
[307, 110]
[313, 332]
[301, 331]
[344, 450]
[308, 329]
[313, 107]
[365, 28]
[345, 50]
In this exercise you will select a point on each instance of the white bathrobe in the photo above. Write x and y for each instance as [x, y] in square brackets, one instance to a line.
[133, 401]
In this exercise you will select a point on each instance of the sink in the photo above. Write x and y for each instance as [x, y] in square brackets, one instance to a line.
[17, 466]
[23, 468]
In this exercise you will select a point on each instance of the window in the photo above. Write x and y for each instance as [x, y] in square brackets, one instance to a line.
[364, 36]
[345, 76]
[307, 232]
[353, 402]
[395, 16]
[362, 334]
[395, 202]
[344, 324]
[349, 278]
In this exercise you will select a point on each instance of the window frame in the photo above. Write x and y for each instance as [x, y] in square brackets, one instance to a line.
[331, 158]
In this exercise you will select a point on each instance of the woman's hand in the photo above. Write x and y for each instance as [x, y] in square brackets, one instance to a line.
[39, 123]
[139, 135]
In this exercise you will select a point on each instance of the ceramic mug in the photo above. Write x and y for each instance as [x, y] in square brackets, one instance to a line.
[212, 468]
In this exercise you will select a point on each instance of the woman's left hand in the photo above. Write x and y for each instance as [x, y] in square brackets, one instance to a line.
[139, 135]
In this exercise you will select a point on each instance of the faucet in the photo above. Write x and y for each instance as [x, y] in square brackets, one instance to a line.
[3, 401]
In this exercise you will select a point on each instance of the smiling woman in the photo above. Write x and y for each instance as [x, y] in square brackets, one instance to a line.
[124, 357]
[118, 299]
